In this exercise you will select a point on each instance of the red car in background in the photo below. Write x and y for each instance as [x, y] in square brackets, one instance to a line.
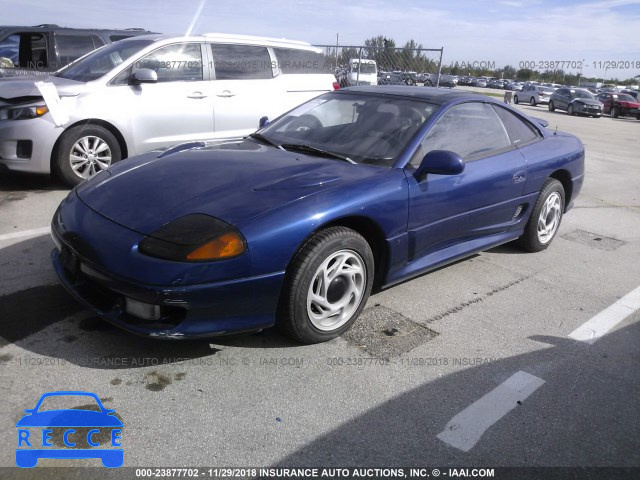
[619, 104]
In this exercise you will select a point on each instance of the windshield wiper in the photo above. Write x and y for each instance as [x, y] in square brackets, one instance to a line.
[316, 151]
[263, 139]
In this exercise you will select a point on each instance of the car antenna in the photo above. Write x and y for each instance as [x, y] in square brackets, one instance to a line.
[556, 130]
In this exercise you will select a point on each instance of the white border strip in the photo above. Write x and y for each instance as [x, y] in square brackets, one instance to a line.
[465, 429]
[25, 233]
[598, 326]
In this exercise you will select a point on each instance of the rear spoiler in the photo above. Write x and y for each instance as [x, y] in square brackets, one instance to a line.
[541, 121]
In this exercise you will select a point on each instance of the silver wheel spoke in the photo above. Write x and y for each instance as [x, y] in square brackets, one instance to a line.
[103, 163]
[100, 147]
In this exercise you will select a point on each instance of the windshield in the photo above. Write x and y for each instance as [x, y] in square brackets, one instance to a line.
[626, 98]
[365, 128]
[364, 67]
[583, 94]
[102, 61]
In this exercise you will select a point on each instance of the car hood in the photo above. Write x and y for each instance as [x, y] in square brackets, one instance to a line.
[13, 90]
[233, 182]
[587, 101]
[69, 418]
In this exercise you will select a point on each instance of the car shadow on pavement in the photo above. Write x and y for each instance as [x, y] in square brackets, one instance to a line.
[27, 182]
[508, 249]
[584, 414]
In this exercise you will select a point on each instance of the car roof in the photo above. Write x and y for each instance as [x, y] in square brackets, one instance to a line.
[432, 94]
[241, 39]
[47, 27]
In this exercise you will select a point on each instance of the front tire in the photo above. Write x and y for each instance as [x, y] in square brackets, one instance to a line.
[545, 219]
[515, 99]
[614, 112]
[570, 110]
[84, 151]
[552, 107]
[326, 286]
[532, 102]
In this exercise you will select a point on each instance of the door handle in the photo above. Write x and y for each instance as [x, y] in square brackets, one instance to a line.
[226, 93]
[197, 95]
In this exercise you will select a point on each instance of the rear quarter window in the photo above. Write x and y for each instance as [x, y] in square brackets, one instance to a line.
[241, 62]
[72, 47]
[293, 61]
[115, 38]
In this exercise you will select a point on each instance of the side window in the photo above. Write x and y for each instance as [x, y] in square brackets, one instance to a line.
[472, 130]
[519, 131]
[241, 62]
[115, 38]
[72, 47]
[9, 48]
[175, 63]
[24, 50]
[291, 60]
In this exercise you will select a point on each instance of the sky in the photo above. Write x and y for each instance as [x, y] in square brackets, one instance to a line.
[595, 33]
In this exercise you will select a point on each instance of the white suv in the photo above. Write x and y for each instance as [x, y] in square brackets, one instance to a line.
[152, 91]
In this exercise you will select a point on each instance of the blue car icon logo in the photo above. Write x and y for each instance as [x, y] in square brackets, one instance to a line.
[92, 426]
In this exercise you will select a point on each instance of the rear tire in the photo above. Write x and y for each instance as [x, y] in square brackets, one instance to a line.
[552, 107]
[515, 99]
[84, 151]
[326, 286]
[532, 102]
[545, 218]
[570, 110]
[615, 113]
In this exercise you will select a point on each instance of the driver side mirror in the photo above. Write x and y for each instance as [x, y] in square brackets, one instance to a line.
[144, 75]
[263, 122]
[441, 162]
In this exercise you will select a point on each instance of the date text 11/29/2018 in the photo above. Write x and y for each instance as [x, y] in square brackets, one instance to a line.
[579, 64]
[289, 473]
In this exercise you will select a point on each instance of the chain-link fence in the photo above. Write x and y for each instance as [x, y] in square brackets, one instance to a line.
[372, 65]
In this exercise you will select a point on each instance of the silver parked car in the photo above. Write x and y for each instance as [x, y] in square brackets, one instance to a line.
[533, 94]
[152, 91]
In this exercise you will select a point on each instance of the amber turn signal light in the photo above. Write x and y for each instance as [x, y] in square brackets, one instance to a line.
[225, 246]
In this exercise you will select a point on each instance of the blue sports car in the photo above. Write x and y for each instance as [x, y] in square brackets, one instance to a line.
[294, 225]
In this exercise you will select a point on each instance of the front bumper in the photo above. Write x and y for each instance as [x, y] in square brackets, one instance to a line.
[41, 132]
[588, 110]
[221, 308]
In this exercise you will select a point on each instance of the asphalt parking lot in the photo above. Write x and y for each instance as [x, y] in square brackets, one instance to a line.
[475, 364]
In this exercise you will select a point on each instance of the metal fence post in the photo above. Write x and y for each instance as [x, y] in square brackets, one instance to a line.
[439, 67]
[359, 63]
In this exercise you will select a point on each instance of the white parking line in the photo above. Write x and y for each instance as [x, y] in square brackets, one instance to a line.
[25, 233]
[465, 429]
[594, 329]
